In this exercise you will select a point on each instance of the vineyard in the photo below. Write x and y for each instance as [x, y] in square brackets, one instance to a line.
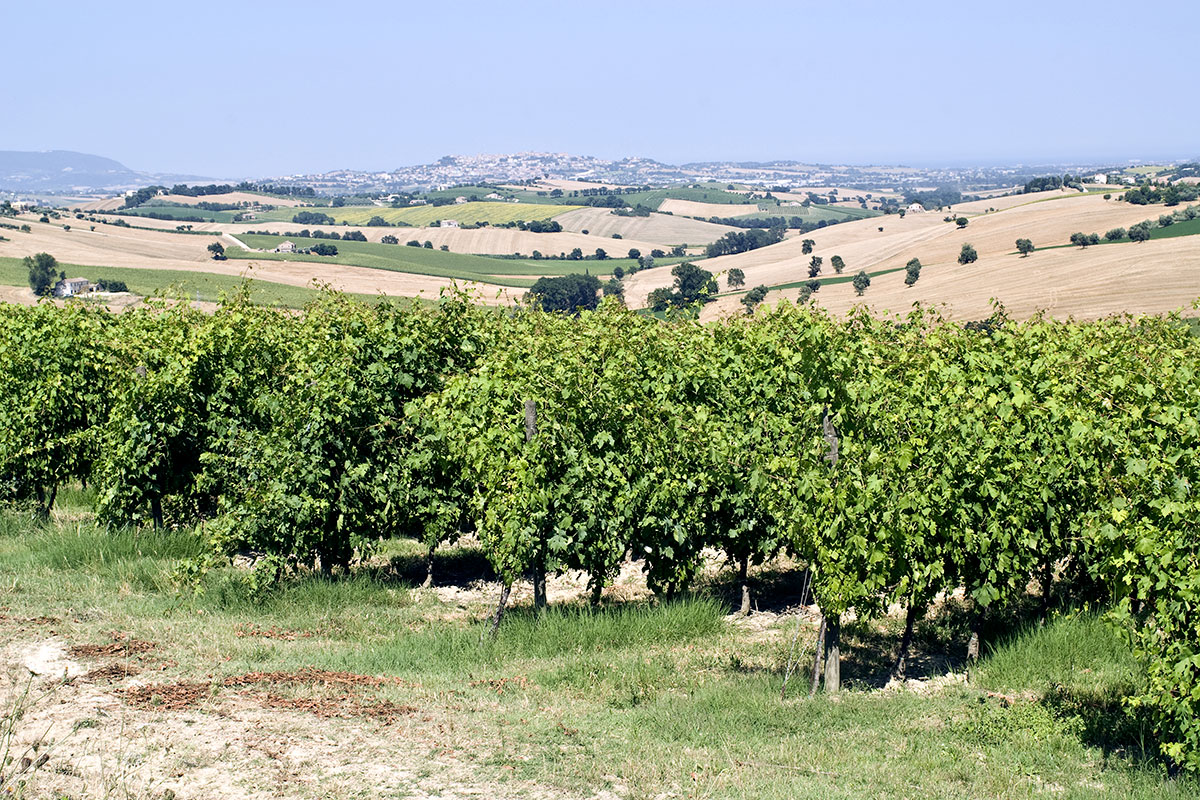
[901, 461]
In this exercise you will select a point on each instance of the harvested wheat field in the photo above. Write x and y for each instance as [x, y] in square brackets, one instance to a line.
[663, 229]
[118, 247]
[1155, 277]
[105, 204]
[927, 237]
[693, 208]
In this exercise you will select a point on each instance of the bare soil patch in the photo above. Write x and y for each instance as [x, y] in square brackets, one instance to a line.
[120, 647]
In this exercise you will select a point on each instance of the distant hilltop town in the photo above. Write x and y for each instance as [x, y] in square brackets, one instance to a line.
[525, 168]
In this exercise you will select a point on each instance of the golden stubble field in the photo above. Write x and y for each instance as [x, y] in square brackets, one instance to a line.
[662, 228]
[1152, 277]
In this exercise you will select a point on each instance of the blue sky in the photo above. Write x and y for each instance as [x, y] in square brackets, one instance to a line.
[268, 88]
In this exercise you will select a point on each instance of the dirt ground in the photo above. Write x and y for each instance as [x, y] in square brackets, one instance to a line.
[116, 719]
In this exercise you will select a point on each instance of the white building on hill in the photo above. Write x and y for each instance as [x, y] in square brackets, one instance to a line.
[285, 247]
[915, 208]
[448, 223]
[71, 287]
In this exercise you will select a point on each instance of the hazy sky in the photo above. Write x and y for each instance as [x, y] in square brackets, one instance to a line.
[253, 89]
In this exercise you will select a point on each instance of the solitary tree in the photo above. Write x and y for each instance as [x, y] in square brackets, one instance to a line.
[860, 283]
[1024, 247]
[217, 250]
[693, 284]
[42, 272]
[634, 253]
[814, 266]
[753, 297]
[576, 254]
[600, 254]
[968, 255]
[736, 278]
[617, 271]
[961, 222]
[912, 271]
[806, 246]
[838, 264]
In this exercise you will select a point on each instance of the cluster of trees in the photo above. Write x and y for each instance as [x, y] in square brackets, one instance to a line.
[1080, 239]
[897, 459]
[567, 293]
[1171, 194]
[275, 188]
[312, 218]
[792, 223]
[540, 226]
[739, 242]
[638, 210]
[1048, 182]
[936, 198]
[201, 191]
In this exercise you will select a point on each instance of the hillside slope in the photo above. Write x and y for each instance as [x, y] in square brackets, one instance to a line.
[1064, 280]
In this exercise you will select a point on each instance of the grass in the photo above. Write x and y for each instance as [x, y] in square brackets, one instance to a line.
[1188, 227]
[640, 699]
[203, 286]
[183, 213]
[493, 213]
[429, 261]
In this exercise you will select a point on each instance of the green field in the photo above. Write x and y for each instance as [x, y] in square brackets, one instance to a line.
[204, 286]
[425, 261]
[1190, 227]
[422, 216]
[181, 213]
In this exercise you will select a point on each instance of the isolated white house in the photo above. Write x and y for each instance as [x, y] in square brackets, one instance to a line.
[449, 223]
[1099, 177]
[285, 247]
[493, 196]
[915, 208]
[417, 202]
[71, 287]
[460, 200]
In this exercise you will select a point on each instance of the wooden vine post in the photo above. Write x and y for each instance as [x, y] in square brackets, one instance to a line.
[832, 625]
[539, 559]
